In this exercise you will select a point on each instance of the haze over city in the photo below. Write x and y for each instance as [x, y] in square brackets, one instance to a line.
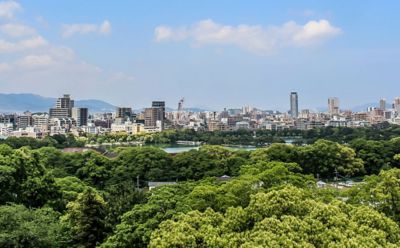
[214, 53]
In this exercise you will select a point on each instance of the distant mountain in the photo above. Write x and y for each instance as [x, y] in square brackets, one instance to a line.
[22, 102]
[95, 106]
[194, 109]
[168, 109]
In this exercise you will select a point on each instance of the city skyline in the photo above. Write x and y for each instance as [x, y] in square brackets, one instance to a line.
[293, 102]
[252, 54]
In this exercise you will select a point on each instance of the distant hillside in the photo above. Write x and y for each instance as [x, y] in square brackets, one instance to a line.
[35, 103]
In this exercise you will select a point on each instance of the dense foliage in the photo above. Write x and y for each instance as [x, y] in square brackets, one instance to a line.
[257, 137]
[222, 197]
[281, 218]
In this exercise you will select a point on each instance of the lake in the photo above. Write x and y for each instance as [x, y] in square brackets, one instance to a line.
[179, 149]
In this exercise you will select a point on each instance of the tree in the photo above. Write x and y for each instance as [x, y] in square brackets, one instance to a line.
[381, 192]
[325, 157]
[208, 161]
[149, 163]
[276, 152]
[280, 218]
[375, 154]
[69, 187]
[24, 180]
[84, 219]
[36, 228]
[95, 169]
[122, 198]
[137, 224]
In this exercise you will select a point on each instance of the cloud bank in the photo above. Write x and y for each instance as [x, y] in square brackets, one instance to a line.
[253, 38]
[8, 9]
[69, 30]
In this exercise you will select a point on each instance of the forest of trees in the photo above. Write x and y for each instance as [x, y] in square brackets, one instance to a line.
[257, 137]
[50, 198]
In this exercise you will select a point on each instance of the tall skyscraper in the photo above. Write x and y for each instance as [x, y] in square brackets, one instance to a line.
[333, 105]
[396, 104]
[294, 105]
[382, 104]
[159, 104]
[152, 116]
[63, 108]
[80, 115]
[155, 114]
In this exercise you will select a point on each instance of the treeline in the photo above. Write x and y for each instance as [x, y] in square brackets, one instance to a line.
[57, 141]
[53, 199]
[256, 137]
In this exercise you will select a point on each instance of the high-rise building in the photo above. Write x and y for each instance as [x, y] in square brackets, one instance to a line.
[158, 114]
[152, 116]
[396, 104]
[80, 115]
[65, 102]
[59, 113]
[123, 112]
[333, 105]
[63, 108]
[294, 105]
[25, 120]
[382, 104]
[161, 105]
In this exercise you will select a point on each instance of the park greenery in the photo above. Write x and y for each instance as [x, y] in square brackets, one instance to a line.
[222, 197]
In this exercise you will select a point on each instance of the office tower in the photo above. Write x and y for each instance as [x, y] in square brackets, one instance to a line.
[396, 104]
[333, 105]
[65, 102]
[294, 105]
[63, 108]
[123, 112]
[158, 112]
[159, 104]
[59, 113]
[152, 116]
[80, 115]
[24, 121]
[382, 104]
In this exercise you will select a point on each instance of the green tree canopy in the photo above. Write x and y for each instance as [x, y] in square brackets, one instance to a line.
[23, 227]
[280, 218]
[84, 219]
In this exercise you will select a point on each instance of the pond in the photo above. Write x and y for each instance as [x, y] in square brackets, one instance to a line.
[179, 149]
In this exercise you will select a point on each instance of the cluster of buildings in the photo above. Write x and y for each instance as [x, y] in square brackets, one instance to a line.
[64, 118]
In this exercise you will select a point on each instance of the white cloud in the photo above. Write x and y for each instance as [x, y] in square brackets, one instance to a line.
[105, 27]
[8, 9]
[253, 38]
[16, 30]
[31, 43]
[5, 67]
[62, 53]
[315, 31]
[69, 30]
[30, 63]
[33, 61]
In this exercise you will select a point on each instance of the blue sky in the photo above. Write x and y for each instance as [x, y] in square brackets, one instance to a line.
[214, 53]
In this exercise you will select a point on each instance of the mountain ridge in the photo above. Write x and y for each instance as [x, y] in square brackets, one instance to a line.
[20, 102]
